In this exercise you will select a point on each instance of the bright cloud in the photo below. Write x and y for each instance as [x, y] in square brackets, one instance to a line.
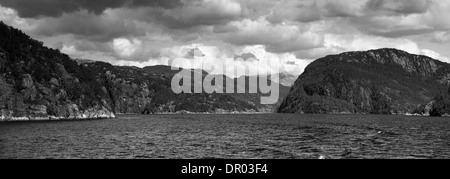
[125, 47]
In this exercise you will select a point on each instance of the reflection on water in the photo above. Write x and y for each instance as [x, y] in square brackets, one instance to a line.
[273, 136]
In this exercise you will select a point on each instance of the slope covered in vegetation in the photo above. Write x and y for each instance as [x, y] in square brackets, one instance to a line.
[383, 81]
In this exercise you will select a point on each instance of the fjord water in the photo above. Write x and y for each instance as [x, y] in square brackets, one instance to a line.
[268, 136]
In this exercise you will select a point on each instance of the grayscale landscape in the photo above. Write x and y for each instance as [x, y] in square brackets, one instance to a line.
[224, 79]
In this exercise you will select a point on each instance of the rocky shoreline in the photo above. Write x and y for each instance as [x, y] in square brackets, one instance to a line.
[38, 113]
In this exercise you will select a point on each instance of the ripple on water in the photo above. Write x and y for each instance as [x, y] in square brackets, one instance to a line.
[230, 136]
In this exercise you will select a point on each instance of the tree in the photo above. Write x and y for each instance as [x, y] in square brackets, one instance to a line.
[441, 104]
[380, 103]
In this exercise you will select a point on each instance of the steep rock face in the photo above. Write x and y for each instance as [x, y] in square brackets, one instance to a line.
[377, 81]
[43, 104]
[36, 85]
[127, 98]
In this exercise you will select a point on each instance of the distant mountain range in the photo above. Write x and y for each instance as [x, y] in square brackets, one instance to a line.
[39, 83]
[383, 81]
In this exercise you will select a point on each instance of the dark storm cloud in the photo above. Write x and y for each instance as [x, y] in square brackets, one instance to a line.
[196, 13]
[55, 8]
[225, 28]
[337, 10]
[166, 4]
[87, 26]
[300, 13]
[399, 6]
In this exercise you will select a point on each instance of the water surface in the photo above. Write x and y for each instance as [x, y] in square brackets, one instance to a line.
[268, 136]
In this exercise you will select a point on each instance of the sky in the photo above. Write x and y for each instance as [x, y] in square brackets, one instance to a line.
[289, 33]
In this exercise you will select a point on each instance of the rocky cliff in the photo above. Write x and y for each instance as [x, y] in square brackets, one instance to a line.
[378, 81]
[36, 83]
[36, 101]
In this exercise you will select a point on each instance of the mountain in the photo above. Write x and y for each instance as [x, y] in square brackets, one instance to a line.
[383, 81]
[283, 92]
[39, 83]
[287, 79]
[253, 98]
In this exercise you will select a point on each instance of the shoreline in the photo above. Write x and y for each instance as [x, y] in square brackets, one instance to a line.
[51, 119]
[115, 116]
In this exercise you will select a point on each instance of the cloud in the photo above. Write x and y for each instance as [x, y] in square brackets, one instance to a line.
[133, 49]
[10, 16]
[288, 10]
[72, 51]
[335, 44]
[399, 6]
[125, 47]
[402, 18]
[393, 26]
[225, 28]
[435, 55]
[441, 37]
[438, 14]
[87, 25]
[342, 8]
[206, 12]
[276, 38]
[315, 10]
[153, 62]
[55, 8]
